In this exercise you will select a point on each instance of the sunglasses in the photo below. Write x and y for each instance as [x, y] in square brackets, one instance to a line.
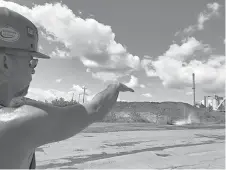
[33, 63]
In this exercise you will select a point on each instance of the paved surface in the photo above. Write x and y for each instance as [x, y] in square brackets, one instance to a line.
[154, 148]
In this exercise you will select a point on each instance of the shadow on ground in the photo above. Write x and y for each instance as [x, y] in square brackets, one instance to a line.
[104, 155]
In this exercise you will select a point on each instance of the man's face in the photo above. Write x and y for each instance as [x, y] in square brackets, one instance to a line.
[20, 69]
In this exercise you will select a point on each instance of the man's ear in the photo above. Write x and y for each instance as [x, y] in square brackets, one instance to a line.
[3, 71]
[5, 64]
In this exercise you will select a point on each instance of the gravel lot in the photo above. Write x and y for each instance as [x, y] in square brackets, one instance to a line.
[117, 145]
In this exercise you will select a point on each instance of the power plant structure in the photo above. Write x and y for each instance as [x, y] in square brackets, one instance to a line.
[217, 102]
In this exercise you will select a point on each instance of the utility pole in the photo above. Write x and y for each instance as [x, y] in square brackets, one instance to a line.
[72, 99]
[79, 97]
[193, 76]
[84, 92]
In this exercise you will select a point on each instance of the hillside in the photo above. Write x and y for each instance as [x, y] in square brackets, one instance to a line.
[162, 113]
[150, 112]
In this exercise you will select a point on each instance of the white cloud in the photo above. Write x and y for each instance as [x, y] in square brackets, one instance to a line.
[174, 74]
[106, 76]
[87, 39]
[146, 64]
[189, 93]
[80, 89]
[80, 12]
[59, 54]
[176, 66]
[189, 29]
[58, 80]
[212, 11]
[147, 95]
[142, 86]
[214, 7]
[189, 46]
[89, 63]
[134, 83]
[88, 70]
[201, 19]
[207, 15]
[51, 94]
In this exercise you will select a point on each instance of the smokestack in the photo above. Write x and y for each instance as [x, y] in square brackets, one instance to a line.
[193, 76]
[205, 101]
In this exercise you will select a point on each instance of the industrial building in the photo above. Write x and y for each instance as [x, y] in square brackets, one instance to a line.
[216, 102]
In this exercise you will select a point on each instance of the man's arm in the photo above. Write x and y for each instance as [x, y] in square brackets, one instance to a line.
[60, 123]
[102, 103]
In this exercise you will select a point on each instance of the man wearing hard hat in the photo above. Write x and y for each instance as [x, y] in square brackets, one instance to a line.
[34, 124]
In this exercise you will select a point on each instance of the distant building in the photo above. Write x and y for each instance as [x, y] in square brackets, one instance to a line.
[216, 102]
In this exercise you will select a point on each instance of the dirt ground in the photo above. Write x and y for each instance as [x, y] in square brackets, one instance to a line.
[117, 145]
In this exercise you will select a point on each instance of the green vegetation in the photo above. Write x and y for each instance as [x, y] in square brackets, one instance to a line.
[61, 102]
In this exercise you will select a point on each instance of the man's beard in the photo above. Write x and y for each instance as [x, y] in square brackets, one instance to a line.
[23, 92]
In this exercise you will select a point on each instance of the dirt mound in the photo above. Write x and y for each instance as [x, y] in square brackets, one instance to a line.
[162, 113]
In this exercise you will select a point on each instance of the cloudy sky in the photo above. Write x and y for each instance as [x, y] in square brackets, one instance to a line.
[153, 46]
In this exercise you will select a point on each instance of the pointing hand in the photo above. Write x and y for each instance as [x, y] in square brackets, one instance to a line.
[124, 88]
